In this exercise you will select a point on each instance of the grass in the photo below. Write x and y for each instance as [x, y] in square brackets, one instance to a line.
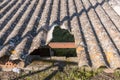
[69, 73]
[80, 74]
[117, 73]
[74, 73]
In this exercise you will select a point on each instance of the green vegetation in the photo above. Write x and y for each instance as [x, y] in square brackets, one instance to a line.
[69, 73]
[117, 73]
[75, 74]
[62, 35]
[85, 74]
[65, 52]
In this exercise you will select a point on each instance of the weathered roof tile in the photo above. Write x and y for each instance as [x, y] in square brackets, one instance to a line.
[94, 24]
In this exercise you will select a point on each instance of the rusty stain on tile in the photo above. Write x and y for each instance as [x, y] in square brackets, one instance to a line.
[13, 52]
[79, 49]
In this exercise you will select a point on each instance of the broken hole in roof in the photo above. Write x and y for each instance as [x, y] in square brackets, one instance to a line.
[42, 52]
[61, 44]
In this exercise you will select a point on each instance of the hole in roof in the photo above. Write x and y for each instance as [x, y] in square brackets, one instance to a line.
[42, 52]
[58, 35]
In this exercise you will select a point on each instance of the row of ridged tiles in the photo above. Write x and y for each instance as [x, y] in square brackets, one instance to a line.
[94, 24]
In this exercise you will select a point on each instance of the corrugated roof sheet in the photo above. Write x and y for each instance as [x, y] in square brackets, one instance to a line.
[94, 24]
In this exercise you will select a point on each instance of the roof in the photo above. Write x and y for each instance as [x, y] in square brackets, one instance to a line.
[94, 24]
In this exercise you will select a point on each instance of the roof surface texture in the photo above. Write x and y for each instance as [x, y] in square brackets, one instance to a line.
[94, 24]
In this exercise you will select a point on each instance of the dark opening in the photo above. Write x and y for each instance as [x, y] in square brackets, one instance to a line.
[43, 52]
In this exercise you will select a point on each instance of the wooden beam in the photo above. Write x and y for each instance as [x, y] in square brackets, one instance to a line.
[62, 45]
